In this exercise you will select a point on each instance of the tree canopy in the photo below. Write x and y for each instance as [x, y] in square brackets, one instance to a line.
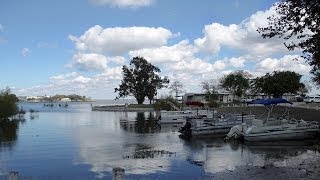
[140, 80]
[210, 88]
[8, 106]
[176, 87]
[298, 20]
[278, 83]
[237, 82]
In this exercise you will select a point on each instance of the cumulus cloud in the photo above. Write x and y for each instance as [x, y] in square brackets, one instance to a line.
[120, 40]
[89, 62]
[237, 62]
[166, 54]
[117, 60]
[25, 52]
[243, 36]
[286, 63]
[123, 3]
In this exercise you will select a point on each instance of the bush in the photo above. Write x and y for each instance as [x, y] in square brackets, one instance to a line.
[8, 106]
[164, 103]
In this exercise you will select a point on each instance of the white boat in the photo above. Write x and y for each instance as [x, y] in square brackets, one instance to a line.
[167, 117]
[275, 129]
[211, 126]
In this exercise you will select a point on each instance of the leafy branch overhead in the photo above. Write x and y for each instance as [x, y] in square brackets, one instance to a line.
[298, 20]
[140, 80]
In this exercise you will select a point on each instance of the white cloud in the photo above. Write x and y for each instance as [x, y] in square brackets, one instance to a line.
[123, 3]
[64, 76]
[25, 51]
[114, 73]
[243, 36]
[286, 63]
[166, 54]
[1, 28]
[89, 62]
[120, 40]
[237, 62]
[117, 60]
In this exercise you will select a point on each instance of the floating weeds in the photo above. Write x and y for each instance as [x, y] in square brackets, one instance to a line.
[149, 153]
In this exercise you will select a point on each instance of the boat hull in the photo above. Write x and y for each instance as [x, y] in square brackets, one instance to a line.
[283, 135]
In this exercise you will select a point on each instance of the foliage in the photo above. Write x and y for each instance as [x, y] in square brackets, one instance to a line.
[278, 83]
[237, 82]
[211, 89]
[140, 80]
[8, 106]
[298, 20]
[163, 103]
[176, 87]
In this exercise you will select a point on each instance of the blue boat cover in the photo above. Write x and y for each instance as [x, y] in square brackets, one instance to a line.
[269, 101]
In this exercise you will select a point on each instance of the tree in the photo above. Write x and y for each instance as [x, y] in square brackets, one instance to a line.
[140, 80]
[8, 106]
[278, 83]
[298, 20]
[211, 90]
[176, 87]
[236, 82]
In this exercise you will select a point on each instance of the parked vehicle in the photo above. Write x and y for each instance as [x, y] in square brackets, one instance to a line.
[312, 99]
[246, 100]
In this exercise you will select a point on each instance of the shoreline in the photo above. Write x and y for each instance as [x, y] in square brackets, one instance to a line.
[122, 108]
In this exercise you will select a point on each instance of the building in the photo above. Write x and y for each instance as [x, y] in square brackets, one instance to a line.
[227, 97]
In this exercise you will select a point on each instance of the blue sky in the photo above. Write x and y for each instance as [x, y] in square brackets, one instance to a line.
[65, 47]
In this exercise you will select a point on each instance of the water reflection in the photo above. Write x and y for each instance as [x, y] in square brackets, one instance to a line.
[141, 124]
[216, 156]
[8, 133]
[133, 147]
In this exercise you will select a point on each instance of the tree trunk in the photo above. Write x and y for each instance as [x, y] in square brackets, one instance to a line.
[140, 99]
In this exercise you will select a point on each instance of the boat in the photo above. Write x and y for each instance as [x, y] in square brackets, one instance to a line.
[179, 117]
[219, 124]
[274, 129]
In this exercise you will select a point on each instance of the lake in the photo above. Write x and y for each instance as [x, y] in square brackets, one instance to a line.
[73, 142]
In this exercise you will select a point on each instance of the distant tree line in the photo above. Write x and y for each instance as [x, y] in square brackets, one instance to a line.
[240, 83]
[72, 97]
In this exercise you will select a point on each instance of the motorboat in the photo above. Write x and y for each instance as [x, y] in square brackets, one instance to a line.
[274, 129]
[179, 117]
[219, 124]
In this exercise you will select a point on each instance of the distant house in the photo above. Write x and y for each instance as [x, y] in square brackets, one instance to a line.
[223, 97]
[227, 97]
[65, 99]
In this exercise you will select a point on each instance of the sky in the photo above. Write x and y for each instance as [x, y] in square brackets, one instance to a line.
[80, 46]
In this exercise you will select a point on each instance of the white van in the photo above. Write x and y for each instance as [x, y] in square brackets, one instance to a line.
[311, 99]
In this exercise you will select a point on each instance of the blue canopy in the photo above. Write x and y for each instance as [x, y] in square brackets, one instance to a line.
[269, 101]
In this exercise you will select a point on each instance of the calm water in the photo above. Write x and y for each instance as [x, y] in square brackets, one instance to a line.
[74, 142]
